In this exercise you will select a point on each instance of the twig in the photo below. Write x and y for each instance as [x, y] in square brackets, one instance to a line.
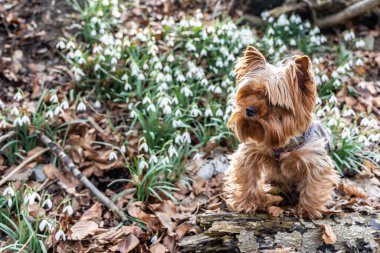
[348, 13]
[22, 165]
[276, 12]
[70, 167]
[26, 243]
[7, 136]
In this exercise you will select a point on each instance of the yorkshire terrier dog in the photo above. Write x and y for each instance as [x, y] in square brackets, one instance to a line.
[280, 145]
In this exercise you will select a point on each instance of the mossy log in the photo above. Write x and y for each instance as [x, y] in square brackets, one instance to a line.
[231, 232]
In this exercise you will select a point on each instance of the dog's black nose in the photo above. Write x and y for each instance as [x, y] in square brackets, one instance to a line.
[250, 111]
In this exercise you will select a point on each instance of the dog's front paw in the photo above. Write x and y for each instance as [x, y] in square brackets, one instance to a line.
[308, 212]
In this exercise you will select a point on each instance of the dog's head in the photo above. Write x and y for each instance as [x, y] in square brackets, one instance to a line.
[272, 103]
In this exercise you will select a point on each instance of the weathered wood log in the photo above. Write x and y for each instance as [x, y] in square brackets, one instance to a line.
[230, 232]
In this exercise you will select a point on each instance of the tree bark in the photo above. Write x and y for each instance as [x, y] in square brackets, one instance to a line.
[348, 13]
[230, 232]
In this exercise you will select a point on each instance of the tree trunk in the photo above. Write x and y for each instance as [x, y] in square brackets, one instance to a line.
[230, 232]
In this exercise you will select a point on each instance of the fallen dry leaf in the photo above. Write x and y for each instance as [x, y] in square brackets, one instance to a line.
[328, 234]
[275, 211]
[93, 212]
[157, 248]
[353, 190]
[128, 244]
[81, 229]
[278, 250]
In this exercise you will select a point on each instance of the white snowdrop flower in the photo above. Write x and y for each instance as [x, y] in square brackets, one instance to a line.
[127, 86]
[362, 139]
[265, 15]
[151, 108]
[18, 96]
[219, 63]
[346, 133]
[132, 114]
[208, 112]
[170, 58]
[171, 43]
[175, 100]
[218, 90]
[43, 224]
[168, 78]
[219, 113]
[181, 78]
[97, 49]
[81, 107]
[61, 45]
[163, 86]
[9, 202]
[332, 122]
[158, 66]
[372, 123]
[186, 137]
[31, 198]
[17, 122]
[65, 105]
[336, 111]
[186, 92]
[320, 113]
[93, 33]
[178, 113]
[60, 234]
[362, 85]
[47, 203]
[324, 78]
[364, 122]
[172, 151]
[210, 29]
[373, 138]
[144, 147]
[203, 52]
[195, 112]
[143, 164]
[70, 44]
[81, 61]
[68, 210]
[153, 159]
[9, 191]
[197, 156]
[124, 77]
[337, 83]
[113, 61]
[123, 149]
[270, 31]
[204, 82]
[3, 124]
[159, 77]
[97, 104]
[25, 119]
[335, 74]
[293, 42]
[178, 139]
[333, 100]
[112, 156]
[167, 110]
[359, 62]
[102, 58]
[348, 113]
[141, 77]
[190, 46]
[360, 44]
[145, 66]
[319, 101]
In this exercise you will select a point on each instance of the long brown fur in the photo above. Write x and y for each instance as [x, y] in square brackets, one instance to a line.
[285, 97]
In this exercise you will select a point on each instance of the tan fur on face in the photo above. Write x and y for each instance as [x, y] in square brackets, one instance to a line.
[284, 97]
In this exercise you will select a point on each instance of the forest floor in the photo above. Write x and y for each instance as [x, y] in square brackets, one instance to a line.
[96, 138]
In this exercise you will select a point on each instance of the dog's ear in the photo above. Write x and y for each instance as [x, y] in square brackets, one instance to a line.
[251, 60]
[299, 73]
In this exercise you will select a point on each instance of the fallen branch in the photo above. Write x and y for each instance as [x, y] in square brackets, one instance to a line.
[7, 136]
[346, 14]
[22, 165]
[234, 232]
[70, 167]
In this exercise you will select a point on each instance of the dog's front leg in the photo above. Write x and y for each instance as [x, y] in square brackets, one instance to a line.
[244, 186]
